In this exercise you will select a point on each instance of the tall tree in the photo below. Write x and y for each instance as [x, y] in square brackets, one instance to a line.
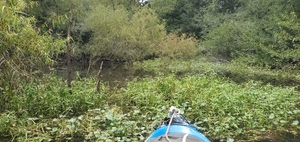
[62, 18]
[266, 31]
[187, 17]
[117, 34]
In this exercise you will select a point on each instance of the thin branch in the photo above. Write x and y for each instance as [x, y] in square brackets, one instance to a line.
[98, 79]
[2, 60]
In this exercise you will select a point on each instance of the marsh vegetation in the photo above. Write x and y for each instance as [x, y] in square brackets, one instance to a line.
[232, 67]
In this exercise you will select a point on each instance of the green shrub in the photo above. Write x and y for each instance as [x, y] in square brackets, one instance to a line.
[176, 47]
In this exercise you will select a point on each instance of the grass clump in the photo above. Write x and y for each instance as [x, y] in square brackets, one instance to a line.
[50, 97]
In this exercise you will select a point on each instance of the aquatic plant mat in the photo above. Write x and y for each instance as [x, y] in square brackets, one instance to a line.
[220, 108]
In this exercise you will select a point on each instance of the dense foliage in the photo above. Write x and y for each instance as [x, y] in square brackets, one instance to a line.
[119, 34]
[231, 65]
[264, 32]
[24, 49]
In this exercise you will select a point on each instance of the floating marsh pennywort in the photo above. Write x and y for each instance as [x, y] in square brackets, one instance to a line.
[221, 108]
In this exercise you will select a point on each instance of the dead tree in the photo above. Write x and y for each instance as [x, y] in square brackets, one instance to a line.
[98, 78]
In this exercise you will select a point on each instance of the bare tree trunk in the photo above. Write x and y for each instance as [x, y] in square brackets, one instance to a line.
[98, 79]
[113, 3]
[69, 49]
[91, 63]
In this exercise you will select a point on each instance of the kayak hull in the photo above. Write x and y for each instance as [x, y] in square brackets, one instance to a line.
[178, 129]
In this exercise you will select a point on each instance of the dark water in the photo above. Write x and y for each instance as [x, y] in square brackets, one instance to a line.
[280, 137]
[115, 74]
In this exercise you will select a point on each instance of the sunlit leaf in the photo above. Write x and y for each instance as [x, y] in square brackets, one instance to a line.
[97, 117]
[282, 121]
[230, 140]
[296, 122]
[271, 116]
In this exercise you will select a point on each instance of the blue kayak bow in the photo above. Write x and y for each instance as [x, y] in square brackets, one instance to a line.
[175, 128]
